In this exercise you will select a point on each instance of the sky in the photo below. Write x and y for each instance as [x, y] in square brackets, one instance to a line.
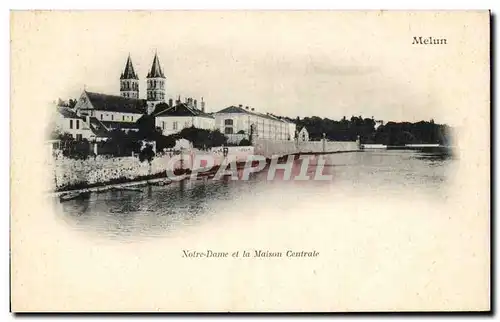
[296, 63]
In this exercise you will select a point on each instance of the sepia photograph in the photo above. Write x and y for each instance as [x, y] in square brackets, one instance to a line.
[250, 161]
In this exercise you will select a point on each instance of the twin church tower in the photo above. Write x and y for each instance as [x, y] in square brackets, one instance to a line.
[129, 83]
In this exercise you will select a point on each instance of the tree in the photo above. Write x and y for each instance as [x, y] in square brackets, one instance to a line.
[121, 143]
[245, 142]
[165, 142]
[160, 107]
[147, 154]
[217, 138]
[147, 129]
[72, 103]
[55, 134]
[203, 139]
[74, 149]
[250, 136]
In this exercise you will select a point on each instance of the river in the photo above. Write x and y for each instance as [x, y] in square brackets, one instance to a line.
[157, 211]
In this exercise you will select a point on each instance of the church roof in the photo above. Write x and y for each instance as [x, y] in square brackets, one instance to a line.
[115, 103]
[182, 109]
[129, 72]
[156, 68]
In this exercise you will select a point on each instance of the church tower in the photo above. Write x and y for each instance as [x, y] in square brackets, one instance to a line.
[129, 82]
[156, 85]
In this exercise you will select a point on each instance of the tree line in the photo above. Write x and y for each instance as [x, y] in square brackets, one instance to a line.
[391, 133]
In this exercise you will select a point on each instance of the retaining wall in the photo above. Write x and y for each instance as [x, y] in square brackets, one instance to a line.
[104, 169]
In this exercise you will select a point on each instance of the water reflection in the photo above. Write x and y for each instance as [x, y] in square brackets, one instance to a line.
[156, 210]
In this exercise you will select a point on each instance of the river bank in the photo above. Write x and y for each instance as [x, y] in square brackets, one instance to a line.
[103, 173]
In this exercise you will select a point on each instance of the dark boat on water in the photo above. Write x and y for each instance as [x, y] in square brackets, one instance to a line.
[126, 189]
[74, 195]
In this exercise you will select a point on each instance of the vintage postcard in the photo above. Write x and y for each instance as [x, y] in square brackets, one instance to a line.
[250, 161]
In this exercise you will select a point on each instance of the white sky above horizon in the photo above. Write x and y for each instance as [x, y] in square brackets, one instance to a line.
[295, 63]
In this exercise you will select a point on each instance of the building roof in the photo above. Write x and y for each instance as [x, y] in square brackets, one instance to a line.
[234, 109]
[183, 109]
[156, 68]
[129, 72]
[115, 103]
[97, 127]
[241, 110]
[67, 113]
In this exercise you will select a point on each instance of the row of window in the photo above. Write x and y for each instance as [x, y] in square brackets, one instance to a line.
[175, 125]
[127, 86]
[130, 95]
[156, 95]
[156, 84]
[113, 117]
[230, 122]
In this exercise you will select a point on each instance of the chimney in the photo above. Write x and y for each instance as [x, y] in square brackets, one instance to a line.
[196, 104]
[170, 102]
[246, 107]
[240, 105]
[253, 109]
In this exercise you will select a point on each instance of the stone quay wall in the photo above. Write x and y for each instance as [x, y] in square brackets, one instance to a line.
[70, 172]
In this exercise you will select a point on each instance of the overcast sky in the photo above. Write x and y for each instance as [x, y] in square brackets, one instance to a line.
[327, 64]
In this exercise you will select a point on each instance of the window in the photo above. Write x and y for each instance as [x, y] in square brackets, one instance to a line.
[70, 124]
[132, 119]
[123, 117]
[77, 124]
[112, 117]
[175, 125]
[78, 137]
[163, 125]
[228, 130]
[228, 122]
[101, 116]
